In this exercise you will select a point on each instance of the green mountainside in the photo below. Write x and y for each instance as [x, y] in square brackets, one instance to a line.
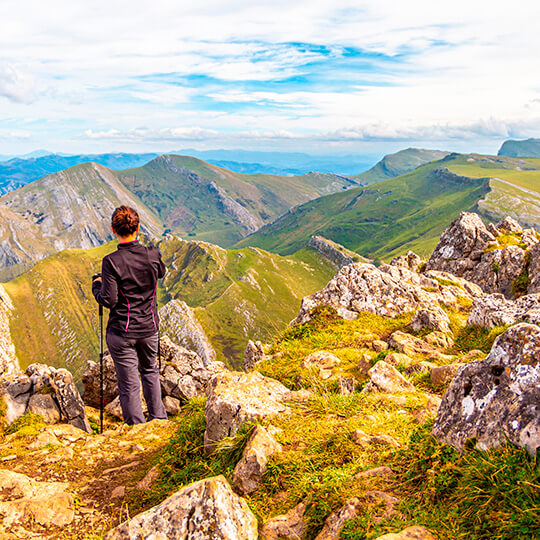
[183, 195]
[526, 148]
[410, 211]
[401, 162]
[237, 295]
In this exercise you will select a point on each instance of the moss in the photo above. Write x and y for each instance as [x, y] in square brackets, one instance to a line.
[26, 425]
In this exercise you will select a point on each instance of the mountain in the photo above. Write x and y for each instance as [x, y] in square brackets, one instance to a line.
[399, 163]
[21, 170]
[526, 148]
[235, 295]
[411, 210]
[183, 195]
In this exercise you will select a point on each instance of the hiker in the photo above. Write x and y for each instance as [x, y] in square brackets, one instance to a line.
[127, 286]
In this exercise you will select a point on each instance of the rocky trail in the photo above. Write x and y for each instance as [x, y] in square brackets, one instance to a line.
[402, 403]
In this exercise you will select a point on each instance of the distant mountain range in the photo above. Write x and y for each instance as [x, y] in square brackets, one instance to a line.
[526, 148]
[178, 194]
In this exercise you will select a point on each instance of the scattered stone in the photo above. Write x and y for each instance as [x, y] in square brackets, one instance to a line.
[376, 498]
[431, 319]
[205, 509]
[410, 533]
[254, 354]
[336, 521]
[411, 261]
[235, 398]
[398, 359]
[381, 472]
[290, 526]
[118, 492]
[323, 361]
[495, 310]
[151, 476]
[249, 471]
[411, 346]
[364, 365]
[386, 378]
[45, 438]
[172, 405]
[91, 382]
[497, 398]
[474, 354]
[439, 340]
[420, 367]
[22, 499]
[45, 406]
[379, 345]
[346, 385]
[363, 439]
[442, 375]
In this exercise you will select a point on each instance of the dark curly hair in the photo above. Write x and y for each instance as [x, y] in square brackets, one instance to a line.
[125, 220]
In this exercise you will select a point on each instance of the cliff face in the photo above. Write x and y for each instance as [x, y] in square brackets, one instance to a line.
[8, 360]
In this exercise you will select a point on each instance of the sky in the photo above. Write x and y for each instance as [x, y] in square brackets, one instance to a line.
[318, 76]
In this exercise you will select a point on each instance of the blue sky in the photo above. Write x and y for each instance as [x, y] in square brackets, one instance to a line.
[314, 76]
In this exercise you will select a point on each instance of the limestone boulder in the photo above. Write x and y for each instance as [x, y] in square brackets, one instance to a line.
[249, 471]
[386, 378]
[495, 310]
[411, 345]
[534, 270]
[46, 407]
[202, 510]
[322, 361]
[59, 384]
[23, 498]
[337, 520]
[91, 382]
[234, 398]
[496, 399]
[431, 319]
[442, 375]
[291, 525]
[15, 391]
[411, 261]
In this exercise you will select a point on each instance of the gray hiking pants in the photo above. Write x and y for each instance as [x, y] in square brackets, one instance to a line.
[133, 357]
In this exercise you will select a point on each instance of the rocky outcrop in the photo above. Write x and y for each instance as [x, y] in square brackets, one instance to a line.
[23, 499]
[254, 353]
[431, 319]
[471, 250]
[234, 398]
[178, 321]
[386, 291]
[411, 345]
[8, 360]
[495, 310]
[496, 399]
[334, 252]
[411, 261]
[249, 471]
[183, 375]
[534, 270]
[205, 509]
[291, 525]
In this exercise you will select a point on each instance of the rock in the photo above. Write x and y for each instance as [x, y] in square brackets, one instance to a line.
[410, 533]
[442, 375]
[334, 252]
[22, 499]
[473, 354]
[439, 340]
[336, 521]
[398, 359]
[346, 385]
[495, 310]
[386, 378]
[172, 405]
[411, 261]
[290, 526]
[411, 346]
[510, 224]
[253, 354]
[387, 291]
[420, 367]
[59, 383]
[15, 390]
[179, 322]
[363, 439]
[382, 472]
[90, 379]
[534, 270]
[45, 438]
[379, 345]
[364, 365]
[431, 319]
[118, 492]
[45, 406]
[151, 476]
[234, 398]
[323, 361]
[183, 373]
[497, 398]
[202, 510]
[249, 471]
[375, 499]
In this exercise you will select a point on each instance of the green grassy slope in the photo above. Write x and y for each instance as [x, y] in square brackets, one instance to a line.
[407, 212]
[179, 189]
[399, 163]
[250, 294]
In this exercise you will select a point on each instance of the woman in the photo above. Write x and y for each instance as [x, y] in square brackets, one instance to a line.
[127, 286]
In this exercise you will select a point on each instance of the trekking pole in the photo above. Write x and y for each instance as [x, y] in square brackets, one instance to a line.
[100, 368]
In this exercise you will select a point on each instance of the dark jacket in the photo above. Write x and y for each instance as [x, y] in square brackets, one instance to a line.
[128, 288]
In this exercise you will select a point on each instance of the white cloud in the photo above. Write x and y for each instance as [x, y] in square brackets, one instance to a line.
[146, 134]
[16, 85]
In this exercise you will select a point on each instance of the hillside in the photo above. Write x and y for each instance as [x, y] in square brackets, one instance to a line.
[19, 171]
[186, 196]
[236, 295]
[399, 163]
[411, 211]
[524, 148]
